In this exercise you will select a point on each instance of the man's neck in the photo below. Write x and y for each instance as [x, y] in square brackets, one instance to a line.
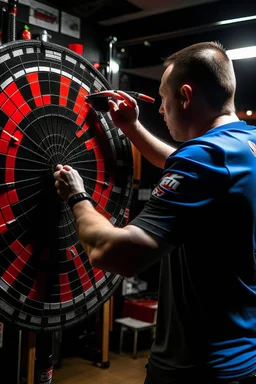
[225, 119]
[216, 122]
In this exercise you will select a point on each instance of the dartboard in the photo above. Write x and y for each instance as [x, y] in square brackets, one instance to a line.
[46, 280]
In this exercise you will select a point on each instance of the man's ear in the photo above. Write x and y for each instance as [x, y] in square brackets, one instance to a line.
[186, 95]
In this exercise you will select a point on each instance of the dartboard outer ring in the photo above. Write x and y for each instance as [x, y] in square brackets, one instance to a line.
[46, 280]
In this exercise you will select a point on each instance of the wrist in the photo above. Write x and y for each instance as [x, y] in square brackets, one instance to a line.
[77, 197]
[132, 131]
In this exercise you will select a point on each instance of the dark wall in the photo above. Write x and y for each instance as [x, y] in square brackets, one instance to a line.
[92, 36]
[188, 26]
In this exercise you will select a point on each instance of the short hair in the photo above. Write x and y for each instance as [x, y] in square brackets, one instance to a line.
[207, 65]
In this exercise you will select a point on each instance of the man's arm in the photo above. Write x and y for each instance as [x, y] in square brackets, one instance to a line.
[125, 251]
[125, 116]
[152, 148]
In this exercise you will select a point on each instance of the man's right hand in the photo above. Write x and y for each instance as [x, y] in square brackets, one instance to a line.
[124, 113]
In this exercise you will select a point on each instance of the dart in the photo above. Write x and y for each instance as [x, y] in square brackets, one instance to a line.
[13, 137]
[99, 100]
[136, 95]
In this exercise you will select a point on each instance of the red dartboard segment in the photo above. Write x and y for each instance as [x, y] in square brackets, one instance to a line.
[46, 280]
[37, 292]
[69, 254]
[3, 226]
[18, 264]
[11, 156]
[35, 88]
[98, 274]
[81, 270]
[17, 99]
[46, 99]
[4, 199]
[17, 116]
[3, 146]
[64, 90]
[7, 214]
[86, 281]
[65, 289]
[16, 247]
[101, 210]
[9, 108]
[83, 129]
[83, 113]
[14, 269]
[9, 127]
[10, 162]
[80, 101]
[13, 196]
[3, 98]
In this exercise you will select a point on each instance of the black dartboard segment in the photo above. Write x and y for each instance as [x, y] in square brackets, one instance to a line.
[46, 280]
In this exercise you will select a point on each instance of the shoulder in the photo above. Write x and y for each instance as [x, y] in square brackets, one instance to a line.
[200, 151]
[218, 144]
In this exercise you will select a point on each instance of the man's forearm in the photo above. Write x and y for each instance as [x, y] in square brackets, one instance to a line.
[89, 225]
[124, 251]
[101, 240]
[152, 148]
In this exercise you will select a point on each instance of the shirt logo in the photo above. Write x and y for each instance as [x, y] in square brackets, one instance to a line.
[169, 182]
[252, 147]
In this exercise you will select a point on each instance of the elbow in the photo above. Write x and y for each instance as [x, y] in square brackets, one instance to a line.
[109, 263]
[98, 258]
[95, 260]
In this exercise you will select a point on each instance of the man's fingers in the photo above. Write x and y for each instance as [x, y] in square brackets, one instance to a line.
[113, 94]
[120, 96]
[60, 185]
[67, 167]
[128, 99]
[56, 175]
[112, 105]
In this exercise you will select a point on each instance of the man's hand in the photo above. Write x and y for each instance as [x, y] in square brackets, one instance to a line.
[68, 181]
[124, 113]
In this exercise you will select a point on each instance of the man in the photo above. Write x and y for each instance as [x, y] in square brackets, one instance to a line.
[200, 219]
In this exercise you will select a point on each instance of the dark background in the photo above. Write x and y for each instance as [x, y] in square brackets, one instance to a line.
[145, 35]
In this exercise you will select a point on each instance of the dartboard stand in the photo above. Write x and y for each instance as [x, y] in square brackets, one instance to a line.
[46, 281]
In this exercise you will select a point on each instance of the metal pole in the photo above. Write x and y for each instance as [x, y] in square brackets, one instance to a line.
[19, 357]
[12, 12]
[112, 40]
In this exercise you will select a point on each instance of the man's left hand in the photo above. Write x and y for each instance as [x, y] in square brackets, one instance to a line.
[68, 181]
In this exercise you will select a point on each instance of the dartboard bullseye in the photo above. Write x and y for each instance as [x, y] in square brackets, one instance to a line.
[46, 280]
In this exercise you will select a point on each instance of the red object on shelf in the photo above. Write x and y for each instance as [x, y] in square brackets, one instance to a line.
[96, 65]
[78, 48]
[26, 34]
[141, 309]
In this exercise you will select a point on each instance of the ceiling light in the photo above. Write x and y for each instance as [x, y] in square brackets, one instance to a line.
[242, 53]
[237, 20]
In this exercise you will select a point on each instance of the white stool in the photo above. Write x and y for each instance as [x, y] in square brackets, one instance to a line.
[136, 326]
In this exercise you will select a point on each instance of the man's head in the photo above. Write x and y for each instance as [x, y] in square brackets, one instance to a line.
[198, 86]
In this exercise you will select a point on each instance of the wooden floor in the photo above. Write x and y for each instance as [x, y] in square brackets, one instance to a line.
[123, 369]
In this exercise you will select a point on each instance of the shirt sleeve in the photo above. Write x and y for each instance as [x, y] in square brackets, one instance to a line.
[193, 178]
